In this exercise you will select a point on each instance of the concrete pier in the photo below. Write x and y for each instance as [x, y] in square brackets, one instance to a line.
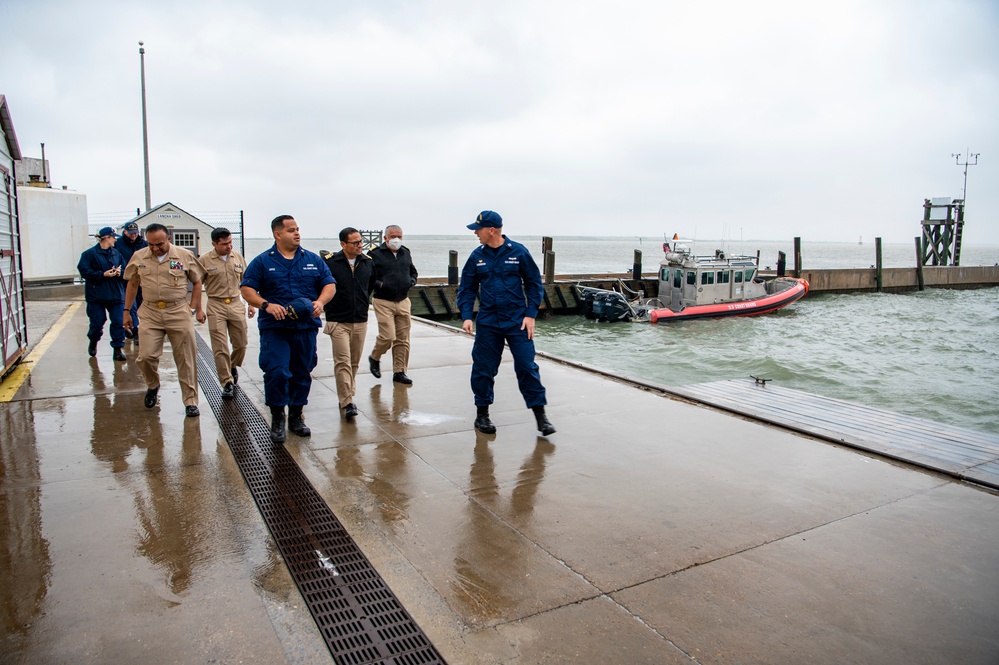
[646, 530]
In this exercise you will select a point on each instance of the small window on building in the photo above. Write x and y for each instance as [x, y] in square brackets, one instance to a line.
[707, 277]
[185, 239]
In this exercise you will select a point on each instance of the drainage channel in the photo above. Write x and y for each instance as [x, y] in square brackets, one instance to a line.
[359, 617]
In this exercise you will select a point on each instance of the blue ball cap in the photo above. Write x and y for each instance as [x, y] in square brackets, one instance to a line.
[105, 232]
[299, 309]
[131, 226]
[487, 219]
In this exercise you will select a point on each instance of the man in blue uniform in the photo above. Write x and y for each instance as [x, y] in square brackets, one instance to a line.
[507, 282]
[128, 243]
[274, 280]
[100, 267]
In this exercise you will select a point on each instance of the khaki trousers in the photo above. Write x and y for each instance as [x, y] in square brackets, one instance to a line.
[394, 322]
[227, 323]
[348, 342]
[175, 323]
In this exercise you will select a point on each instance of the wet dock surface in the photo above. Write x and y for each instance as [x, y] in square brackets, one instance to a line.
[646, 530]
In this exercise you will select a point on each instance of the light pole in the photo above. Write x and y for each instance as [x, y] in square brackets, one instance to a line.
[966, 164]
[145, 136]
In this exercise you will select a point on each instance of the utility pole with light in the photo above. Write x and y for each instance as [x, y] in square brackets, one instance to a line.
[145, 135]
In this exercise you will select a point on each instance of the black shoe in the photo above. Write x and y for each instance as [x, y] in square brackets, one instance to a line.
[235, 374]
[400, 377]
[376, 367]
[92, 349]
[277, 425]
[128, 334]
[544, 425]
[192, 411]
[118, 355]
[135, 337]
[350, 411]
[228, 391]
[150, 399]
[482, 422]
[296, 422]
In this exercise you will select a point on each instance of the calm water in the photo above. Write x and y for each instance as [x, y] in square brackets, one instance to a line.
[933, 354]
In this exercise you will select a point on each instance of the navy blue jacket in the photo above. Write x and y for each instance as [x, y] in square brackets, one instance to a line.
[395, 274]
[280, 280]
[507, 282]
[94, 262]
[128, 247]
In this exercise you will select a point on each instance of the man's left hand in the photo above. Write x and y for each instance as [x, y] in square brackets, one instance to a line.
[528, 325]
[317, 308]
[199, 314]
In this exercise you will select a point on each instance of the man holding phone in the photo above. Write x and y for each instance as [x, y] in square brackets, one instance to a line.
[100, 267]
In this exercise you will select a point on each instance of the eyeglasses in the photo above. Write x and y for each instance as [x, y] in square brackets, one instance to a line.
[357, 243]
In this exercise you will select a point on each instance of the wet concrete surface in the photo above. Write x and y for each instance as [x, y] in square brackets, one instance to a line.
[646, 530]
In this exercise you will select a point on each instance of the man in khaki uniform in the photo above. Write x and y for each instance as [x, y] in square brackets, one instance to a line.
[163, 271]
[224, 268]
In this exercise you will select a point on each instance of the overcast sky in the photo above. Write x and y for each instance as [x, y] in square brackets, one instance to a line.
[726, 119]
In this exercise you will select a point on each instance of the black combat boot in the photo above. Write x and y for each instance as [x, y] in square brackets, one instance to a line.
[296, 422]
[482, 422]
[277, 424]
[544, 425]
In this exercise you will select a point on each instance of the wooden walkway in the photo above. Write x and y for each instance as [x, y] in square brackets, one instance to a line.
[961, 453]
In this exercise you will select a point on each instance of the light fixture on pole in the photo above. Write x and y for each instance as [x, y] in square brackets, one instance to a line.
[145, 136]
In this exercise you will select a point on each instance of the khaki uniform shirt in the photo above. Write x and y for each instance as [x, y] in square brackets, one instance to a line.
[164, 281]
[222, 278]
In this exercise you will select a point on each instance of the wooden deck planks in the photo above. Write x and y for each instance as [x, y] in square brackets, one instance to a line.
[962, 453]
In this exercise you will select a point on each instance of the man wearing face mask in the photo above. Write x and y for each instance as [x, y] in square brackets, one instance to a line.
[394, 275]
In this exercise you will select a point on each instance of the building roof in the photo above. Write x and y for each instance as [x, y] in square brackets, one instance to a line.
[8, 130]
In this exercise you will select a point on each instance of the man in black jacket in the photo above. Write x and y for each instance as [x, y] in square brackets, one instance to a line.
[347, 313]
[395, 274]
[129, 243]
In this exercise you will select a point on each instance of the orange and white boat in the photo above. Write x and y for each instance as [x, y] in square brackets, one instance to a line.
[696, 287]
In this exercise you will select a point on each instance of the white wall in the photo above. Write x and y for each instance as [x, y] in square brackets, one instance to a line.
[54, 232]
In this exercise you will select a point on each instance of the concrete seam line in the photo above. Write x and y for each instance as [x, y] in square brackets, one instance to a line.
[17, 376]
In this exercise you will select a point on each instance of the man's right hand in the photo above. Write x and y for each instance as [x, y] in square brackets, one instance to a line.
[466, 325]
[277, 311]
[126, 320]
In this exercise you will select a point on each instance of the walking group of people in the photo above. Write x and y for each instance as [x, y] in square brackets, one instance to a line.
[132, 279]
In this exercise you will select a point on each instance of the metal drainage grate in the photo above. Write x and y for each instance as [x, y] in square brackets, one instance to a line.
[358, 615]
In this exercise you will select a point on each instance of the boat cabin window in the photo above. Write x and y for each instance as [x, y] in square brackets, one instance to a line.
[707, 277]
[724, 276]
[692, 278]
[749, 274]
[677, 278]
[664, 275]
[738, 276]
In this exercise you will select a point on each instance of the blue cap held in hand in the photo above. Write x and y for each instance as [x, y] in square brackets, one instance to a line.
[299, 309]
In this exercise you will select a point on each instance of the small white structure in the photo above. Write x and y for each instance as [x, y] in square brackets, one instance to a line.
[186, 230]
[54, 232]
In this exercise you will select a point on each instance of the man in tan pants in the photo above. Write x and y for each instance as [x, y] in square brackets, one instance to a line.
[227, 316]
[395, 275]
[163, 271]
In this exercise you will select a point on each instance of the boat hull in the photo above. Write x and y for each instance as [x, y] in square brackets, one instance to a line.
[763, 305]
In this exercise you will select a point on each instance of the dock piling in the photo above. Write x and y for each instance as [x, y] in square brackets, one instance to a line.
[877, 264]
[452, 267]
[636, 268]
[797, 256]
[919, 264]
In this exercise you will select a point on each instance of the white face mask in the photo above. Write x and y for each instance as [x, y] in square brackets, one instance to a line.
[394, 244]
